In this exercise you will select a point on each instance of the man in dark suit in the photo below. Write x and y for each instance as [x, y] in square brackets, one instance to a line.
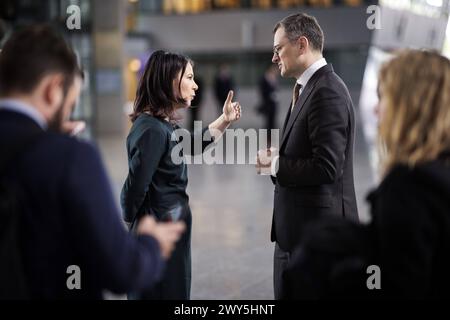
[313, 169]
[69, 223]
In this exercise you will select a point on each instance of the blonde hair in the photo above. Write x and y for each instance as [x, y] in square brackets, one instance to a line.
[415, 125]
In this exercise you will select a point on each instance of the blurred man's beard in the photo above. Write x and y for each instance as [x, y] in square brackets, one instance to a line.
[56, 122]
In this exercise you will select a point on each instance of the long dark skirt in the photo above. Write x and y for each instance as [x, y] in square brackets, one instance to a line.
[176, 282]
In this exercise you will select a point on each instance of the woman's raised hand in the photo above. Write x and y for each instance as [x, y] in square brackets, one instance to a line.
[231, 110]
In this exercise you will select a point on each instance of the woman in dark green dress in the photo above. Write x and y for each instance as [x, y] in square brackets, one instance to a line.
[157, 180]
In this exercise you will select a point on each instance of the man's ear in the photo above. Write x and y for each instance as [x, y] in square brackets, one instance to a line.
[52, 89]
[303, 44]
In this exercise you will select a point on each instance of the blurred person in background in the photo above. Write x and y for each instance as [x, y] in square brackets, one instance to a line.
[156, 184]
[68, 215]
[223, 83]
[268, 107]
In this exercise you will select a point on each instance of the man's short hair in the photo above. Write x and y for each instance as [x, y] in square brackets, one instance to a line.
[301, 24]
[32, 53]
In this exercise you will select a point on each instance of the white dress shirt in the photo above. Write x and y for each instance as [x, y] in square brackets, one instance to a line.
[308, 73]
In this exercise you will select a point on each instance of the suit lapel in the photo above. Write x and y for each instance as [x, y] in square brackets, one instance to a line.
[286, 120]
[300, 105]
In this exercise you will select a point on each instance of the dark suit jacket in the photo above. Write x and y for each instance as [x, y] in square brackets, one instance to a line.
[411, 220]
[315, 175]
[70, 218]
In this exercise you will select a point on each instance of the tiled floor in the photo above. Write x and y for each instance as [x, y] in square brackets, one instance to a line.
[232, 207]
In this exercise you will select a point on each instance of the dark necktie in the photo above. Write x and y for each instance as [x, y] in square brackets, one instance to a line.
[295, 94]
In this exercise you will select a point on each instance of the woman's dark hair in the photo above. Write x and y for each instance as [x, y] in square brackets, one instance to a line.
[155, 92]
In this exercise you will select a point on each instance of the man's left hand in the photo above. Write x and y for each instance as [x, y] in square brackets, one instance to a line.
[265, 161]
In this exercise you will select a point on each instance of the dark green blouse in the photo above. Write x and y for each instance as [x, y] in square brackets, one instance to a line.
[155, 184]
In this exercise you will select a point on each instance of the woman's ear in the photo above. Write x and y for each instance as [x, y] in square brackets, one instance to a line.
[176, 83]
[175, 87]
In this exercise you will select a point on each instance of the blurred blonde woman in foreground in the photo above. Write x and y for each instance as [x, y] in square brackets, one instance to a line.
[411, 207]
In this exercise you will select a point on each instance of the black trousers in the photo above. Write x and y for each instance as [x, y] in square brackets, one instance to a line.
[280, 262]
[176, 282]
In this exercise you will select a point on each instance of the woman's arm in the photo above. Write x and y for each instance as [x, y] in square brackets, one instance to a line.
[215, 130]
[149, 149]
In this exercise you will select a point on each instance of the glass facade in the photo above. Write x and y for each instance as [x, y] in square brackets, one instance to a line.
[168, 7]
[19, 13]
[432, 8]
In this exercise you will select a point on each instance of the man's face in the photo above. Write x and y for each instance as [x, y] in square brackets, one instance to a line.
[286, 55]
[67, 105]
